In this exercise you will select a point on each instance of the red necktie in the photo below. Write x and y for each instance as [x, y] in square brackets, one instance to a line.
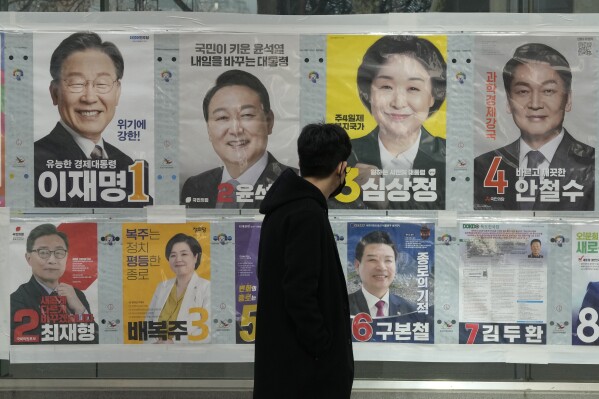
[380, 305]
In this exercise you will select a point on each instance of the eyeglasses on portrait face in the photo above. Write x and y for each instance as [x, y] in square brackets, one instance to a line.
[46, 253]
[101, 85]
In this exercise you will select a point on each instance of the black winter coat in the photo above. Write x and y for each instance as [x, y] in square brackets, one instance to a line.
[303, 341]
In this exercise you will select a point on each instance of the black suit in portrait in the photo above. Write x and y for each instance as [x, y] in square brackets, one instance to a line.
[29, 296]
[576, 158]
[59, 145]
[535, 256]
[431, 155]
[205, 185]
[397, 304]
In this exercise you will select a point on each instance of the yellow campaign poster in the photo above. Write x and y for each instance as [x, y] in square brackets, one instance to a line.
[166, 283]
[388, 92]
[345, 54]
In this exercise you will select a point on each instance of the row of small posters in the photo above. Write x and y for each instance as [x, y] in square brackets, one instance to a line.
[165, 129]
[195, 283]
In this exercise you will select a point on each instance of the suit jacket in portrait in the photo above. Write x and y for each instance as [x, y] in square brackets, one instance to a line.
[29, 296]
[576, 158]
[197, 295]
[397, 304]
[59, 145]
[431, 155]
[204, 187]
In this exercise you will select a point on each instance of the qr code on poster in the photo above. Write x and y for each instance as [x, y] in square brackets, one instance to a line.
[585, 48]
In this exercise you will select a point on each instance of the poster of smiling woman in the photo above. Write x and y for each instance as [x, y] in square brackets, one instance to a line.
[388, 92]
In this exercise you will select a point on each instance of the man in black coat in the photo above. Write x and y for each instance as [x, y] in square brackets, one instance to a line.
[44, 299]
[559, 171]
[303, 342]
[74, 166]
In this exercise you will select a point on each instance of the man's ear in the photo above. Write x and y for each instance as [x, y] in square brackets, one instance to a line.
[270, 121]
[54, 92]
[357, 266]
[27, 256]
[568, 106]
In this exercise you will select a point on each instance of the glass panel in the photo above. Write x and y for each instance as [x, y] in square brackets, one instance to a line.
[53, 5]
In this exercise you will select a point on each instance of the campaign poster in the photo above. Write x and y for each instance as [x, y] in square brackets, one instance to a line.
[94, 120]
[166, 283]
[53, 276]
[503, 283]
[390, 281]
[239, 117]
[585, 285]
[388, 93]
[534, 125]
[247, 236]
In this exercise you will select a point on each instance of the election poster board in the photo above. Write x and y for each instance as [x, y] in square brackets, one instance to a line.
[89, 100]
[534, 94]
[499, 295]
[166, 283]
[236, 133]
[585, 280]
[54, 297]
[398, 130]
[390, 279]
[503, 284]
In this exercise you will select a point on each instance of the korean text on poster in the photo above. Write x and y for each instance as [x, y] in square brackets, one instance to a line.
[389, 94]
[390, 278]
[533, 129]
[166, 283]
[54, 279]
[503, 284]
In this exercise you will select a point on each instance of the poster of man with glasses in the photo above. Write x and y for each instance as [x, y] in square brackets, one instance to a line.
[55, 300]
[96, 155]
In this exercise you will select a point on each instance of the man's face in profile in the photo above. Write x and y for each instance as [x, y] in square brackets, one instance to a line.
[238, 127]
[376, 268]
[535, 248]
[538, 101]
[88, 112]
[49, 270]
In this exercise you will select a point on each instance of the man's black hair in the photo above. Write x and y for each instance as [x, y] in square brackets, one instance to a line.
[537, 52]
[81, 41]
[320, 147]
[374, 237]
[45, 230]
[236, 77]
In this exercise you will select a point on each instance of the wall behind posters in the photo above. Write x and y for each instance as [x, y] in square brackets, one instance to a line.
[494, 259]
